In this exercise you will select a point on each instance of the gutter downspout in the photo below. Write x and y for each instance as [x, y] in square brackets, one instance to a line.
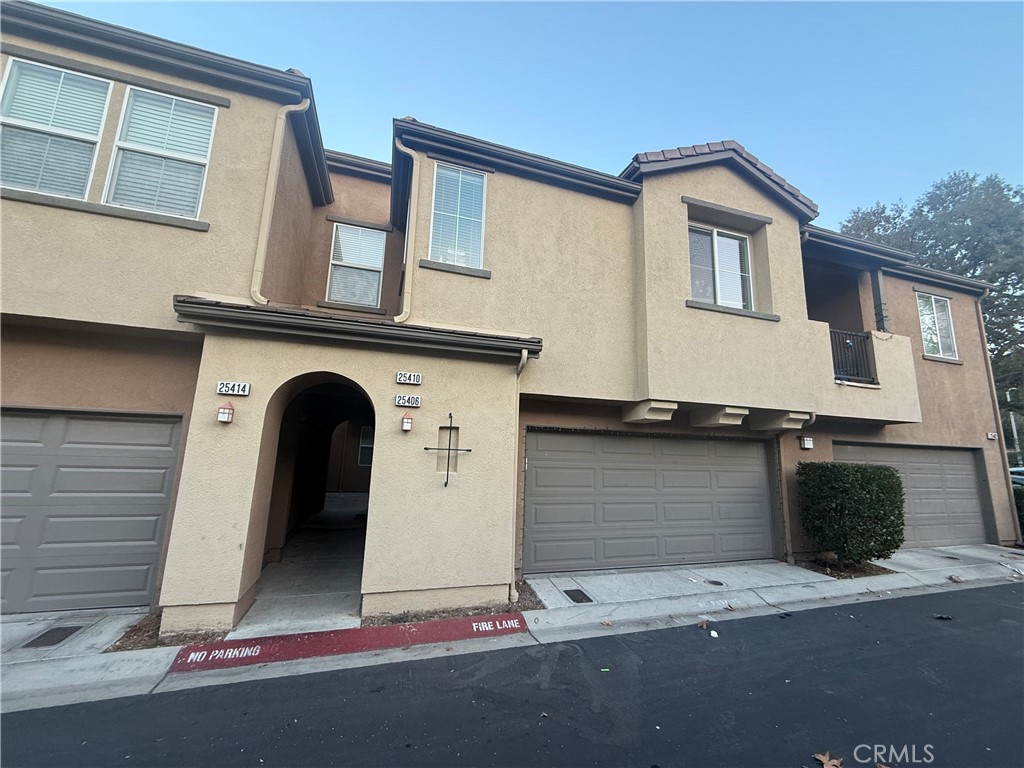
[269, 198]
[410, 233]
[1014, 521]
[513, 593]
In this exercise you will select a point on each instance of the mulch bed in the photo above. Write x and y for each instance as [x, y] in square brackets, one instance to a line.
[831, 568]
[146, 633]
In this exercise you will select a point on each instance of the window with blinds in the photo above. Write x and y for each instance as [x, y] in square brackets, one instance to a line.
[720, 268]
[457, 230]
[357, 261]
[936, 326]
[162, 151]
[50, 123]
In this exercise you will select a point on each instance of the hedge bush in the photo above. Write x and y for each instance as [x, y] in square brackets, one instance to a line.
[854, 510]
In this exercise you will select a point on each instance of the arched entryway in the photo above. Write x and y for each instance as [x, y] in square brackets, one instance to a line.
[319, 500]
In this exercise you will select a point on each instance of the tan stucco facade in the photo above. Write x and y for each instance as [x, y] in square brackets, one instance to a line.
[602, 278]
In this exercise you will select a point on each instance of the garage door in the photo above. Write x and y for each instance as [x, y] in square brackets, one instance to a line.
[601, 501]
[943, 499]
[85, 501]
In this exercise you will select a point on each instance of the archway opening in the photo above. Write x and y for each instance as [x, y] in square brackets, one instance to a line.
[316, 522]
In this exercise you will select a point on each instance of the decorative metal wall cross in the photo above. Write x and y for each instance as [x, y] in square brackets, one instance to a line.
[449, 450]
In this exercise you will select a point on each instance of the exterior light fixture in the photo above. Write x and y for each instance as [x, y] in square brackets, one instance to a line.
[226, 413]
[806, 442]
[407, 423]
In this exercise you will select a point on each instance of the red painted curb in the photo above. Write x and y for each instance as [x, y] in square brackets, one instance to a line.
[262, 650]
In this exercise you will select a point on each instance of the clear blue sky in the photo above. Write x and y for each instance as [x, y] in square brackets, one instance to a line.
[851, 102]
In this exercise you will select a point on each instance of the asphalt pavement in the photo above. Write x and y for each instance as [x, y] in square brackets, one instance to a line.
[890, 675]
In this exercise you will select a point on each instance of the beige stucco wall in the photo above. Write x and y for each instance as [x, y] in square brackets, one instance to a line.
[561, 268]
[57, 262]
[421, 536]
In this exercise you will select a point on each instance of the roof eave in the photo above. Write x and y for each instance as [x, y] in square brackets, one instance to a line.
[359, 167]
[69, 30]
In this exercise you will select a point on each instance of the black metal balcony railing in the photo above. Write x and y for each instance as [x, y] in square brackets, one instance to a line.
[851, 358]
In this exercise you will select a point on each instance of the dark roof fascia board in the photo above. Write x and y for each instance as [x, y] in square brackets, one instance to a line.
[637, 170]
[456, 146]
[359, 167]
[191, 309]
[838, 238]
[87, 35]
[894, 265]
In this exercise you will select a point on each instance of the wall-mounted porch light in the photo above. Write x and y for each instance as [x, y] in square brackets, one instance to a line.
[226, 413]
[806, 442]
[407, 423]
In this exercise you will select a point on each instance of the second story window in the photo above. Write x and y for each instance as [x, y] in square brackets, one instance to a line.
[936, 326]
[720, 268]
[357, 259]
[457, 230]
[50, 122]
[163, 146]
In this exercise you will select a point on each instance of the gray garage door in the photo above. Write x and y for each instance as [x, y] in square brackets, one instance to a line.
[84, 508]
[602, 501]
[943, 500]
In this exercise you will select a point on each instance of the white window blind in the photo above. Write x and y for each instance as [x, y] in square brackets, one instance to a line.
[50, 121]
[720, 268]
[936, 326]
[357, 259]
[163, 147]
[458, 221]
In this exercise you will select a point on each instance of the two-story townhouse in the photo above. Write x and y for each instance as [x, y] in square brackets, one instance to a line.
[469, 365]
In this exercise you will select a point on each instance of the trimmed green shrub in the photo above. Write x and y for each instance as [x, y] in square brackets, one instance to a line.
[854, 510]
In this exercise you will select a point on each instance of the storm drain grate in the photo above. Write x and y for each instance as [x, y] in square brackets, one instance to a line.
[52, 637]
[578, 596]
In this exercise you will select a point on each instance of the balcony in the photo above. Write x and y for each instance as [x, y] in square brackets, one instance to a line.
[851, 356]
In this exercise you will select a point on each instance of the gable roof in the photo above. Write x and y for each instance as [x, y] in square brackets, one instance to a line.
[731, 153]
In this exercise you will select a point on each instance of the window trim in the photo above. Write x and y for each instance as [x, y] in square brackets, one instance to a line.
[63, 132]
[714, 232]
[483, 214]
[332, 263]
[119, 145]
[952, 331]
[363, 444]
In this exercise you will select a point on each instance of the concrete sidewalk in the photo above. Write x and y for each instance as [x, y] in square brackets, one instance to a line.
[76, 670]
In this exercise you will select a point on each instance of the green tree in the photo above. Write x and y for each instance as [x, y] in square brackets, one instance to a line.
[974, 227]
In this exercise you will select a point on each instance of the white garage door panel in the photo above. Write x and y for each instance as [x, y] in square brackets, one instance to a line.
[603, 501]
[85, 505]
[943, 496]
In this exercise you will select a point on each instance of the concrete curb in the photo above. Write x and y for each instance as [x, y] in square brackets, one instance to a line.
[77, 679]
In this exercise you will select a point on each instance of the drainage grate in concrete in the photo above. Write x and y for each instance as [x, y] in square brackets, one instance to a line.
[578, 596]
[714, 582]
[52, 637]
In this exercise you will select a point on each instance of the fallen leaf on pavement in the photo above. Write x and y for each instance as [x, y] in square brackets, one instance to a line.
[729, 607]
[829, 762]
[606, 624]
[956, 579]
[702, 625]
[879, 765]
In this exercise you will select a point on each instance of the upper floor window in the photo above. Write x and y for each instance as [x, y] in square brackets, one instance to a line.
[936, 326]
[357, 260]
[162, 150]
[457, 231]
[50, 123]
[720, 268]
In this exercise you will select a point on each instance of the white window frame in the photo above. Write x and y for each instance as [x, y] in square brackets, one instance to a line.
[119, 145]
[331, 262]
[949, 313]
[62, 132]
[483, 214]
[714, 232]
[364, 444]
